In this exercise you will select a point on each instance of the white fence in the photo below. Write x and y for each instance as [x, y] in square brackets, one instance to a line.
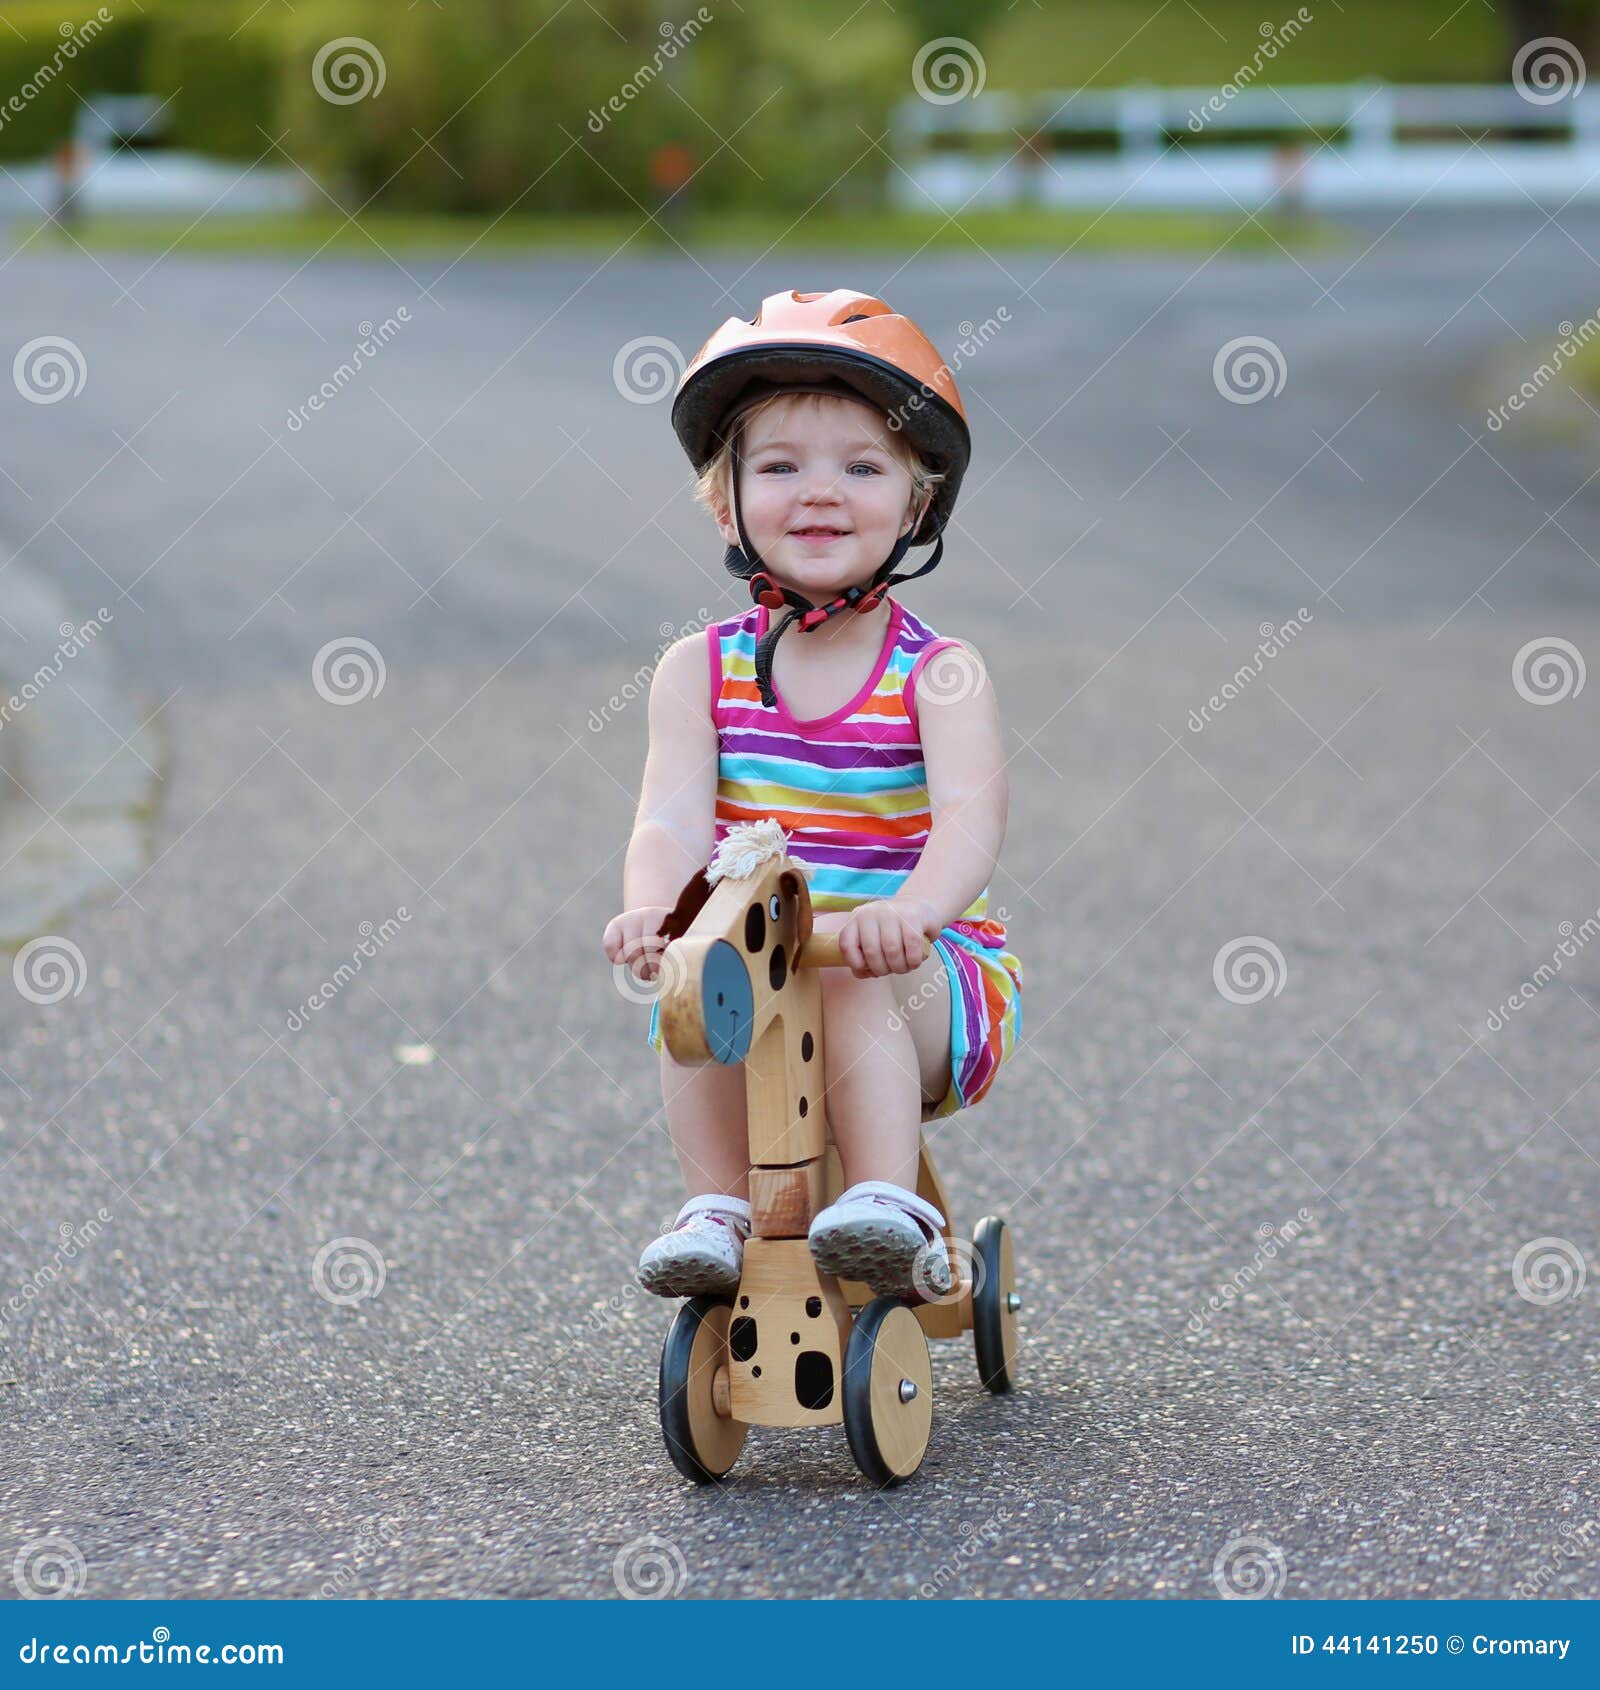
[1365, 144]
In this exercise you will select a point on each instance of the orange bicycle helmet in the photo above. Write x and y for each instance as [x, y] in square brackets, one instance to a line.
[840, 342]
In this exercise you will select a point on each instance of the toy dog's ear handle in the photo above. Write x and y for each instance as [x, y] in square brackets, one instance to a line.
[691, 900]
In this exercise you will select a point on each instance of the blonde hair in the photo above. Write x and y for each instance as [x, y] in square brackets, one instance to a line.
[714, 485]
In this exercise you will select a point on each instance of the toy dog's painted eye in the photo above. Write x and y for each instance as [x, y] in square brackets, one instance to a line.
[774, 908]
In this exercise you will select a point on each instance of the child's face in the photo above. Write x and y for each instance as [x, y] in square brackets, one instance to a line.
[821, 463]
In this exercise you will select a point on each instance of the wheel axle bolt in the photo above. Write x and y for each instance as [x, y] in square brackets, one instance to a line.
[908, 1390]
[1013, 1302]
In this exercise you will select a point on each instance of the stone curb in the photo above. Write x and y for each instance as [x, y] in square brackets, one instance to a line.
[79, 772]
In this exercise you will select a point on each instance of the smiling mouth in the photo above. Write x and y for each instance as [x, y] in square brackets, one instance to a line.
[819, 533]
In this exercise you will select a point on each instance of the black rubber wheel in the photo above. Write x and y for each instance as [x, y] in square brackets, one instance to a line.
[703, 1445]
[886, 1424]
[994, 1319]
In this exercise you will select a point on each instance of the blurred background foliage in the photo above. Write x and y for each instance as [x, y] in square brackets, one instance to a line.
[489, 105]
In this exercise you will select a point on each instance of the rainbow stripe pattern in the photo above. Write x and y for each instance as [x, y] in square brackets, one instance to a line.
[850, 789]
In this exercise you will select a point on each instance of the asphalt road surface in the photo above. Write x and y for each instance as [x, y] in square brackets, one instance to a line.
[1301, 1275]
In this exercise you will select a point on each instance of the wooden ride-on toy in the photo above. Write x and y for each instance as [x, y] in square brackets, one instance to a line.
[794, 1346]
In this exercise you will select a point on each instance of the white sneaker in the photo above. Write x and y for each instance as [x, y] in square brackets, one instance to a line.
[888, 1237]
[704, 1252]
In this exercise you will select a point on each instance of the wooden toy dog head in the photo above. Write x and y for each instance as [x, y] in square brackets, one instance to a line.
[737, 930]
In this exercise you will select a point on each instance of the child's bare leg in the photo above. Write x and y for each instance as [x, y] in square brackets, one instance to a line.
[881, 1045]
[705, 1105]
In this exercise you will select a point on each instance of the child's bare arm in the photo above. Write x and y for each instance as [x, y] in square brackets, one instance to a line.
[968, 793]
[674, 824]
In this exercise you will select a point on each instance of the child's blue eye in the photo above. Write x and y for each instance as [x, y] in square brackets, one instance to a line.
[871, 469]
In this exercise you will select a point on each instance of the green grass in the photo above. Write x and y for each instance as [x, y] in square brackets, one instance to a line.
[906, 232]
[1583, 368]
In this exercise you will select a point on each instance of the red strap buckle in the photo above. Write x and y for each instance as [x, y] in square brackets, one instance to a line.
[765, 592]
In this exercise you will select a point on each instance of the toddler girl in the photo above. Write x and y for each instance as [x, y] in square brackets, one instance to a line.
[829, 437]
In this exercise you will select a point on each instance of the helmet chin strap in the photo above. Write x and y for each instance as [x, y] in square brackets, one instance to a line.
[744, 561]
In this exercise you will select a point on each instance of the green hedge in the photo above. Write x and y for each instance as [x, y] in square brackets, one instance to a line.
[488, 104]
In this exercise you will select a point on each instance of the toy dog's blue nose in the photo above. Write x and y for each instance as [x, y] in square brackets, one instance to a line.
[727, 1005]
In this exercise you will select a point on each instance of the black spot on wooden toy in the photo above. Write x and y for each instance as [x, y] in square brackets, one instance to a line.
[755, 929]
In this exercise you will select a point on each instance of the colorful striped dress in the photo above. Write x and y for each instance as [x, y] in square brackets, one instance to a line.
[850, 788]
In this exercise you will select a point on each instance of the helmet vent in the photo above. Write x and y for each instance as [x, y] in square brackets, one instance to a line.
[860, 317]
